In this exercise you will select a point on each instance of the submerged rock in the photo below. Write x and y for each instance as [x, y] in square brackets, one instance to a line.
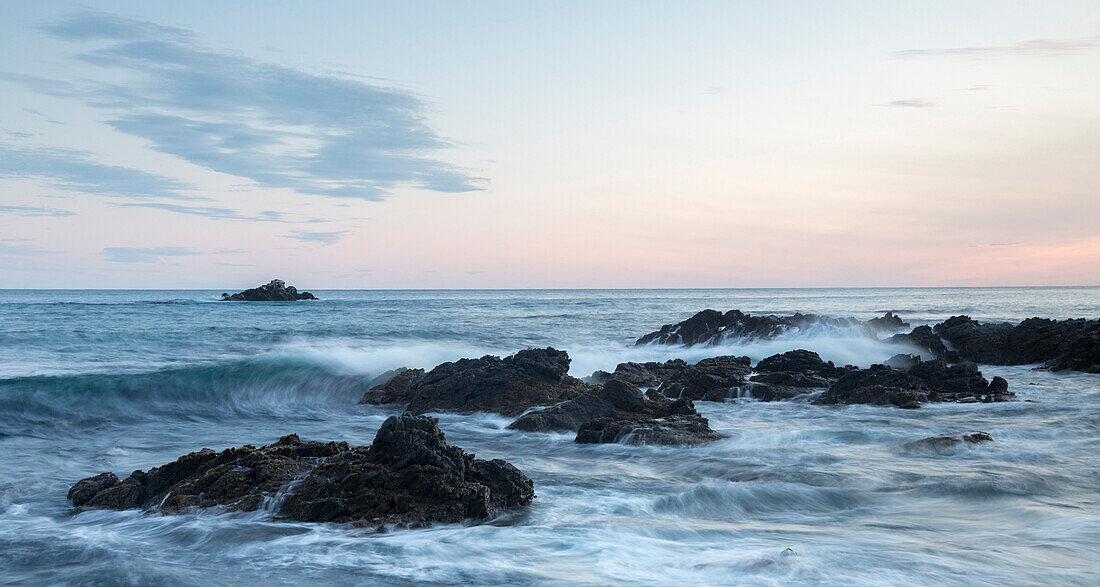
[275, 291]
[408, 475]
[712, 327]
[508, 386]
[672, 430]
[946, 444]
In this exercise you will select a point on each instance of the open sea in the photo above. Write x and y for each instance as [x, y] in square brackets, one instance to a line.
[94, 381]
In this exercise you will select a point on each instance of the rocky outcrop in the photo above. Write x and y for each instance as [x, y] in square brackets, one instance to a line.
[275, 291]
[672, 430]
[1058, 344]
[409, 475]
[947, 444]
[616, 399]
[715, 379]
[931, 381]
[508, 386]
[923, 339]
[902, 361]
[712, 327]
[650, 374]
[791, 374]
[397, 389]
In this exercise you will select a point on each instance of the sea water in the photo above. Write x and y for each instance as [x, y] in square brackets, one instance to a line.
[94, 381]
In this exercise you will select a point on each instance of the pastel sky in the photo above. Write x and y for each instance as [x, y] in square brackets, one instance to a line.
[549, 144]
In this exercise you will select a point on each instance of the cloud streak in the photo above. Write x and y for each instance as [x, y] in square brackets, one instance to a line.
[323, 238]
[911, 104]
[145, 254]
[278, 126]
[35, 211]
[1032, 48]
[75, 170]
[218, 212]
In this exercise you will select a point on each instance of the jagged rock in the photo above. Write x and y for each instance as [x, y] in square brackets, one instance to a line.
[923, 339]
[712, 327]
[902, 361]
[509, 386]
[398, 389]
[672, 430]
[931, 381]
[790, 374]
[409, 475]
[1083, 354]
[947, 444]
[616, 400]
[275, 291]
[650, 374]
[889, 322]
[715, 379]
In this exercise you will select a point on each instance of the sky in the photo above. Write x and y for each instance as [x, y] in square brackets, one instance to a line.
[549, 144]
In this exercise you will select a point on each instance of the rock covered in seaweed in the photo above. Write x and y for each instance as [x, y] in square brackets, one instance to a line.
[408, 475]
[274, 291]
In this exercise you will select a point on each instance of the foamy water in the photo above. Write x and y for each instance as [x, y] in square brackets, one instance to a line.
[101, 381]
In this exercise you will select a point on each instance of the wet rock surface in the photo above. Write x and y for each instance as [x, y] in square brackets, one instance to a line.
[947, 444]
[1059, 344]
[712, 327]
[409, 475]
[508, 386]
[615, 400]
[650, 374]
[930, 381]
[715, 379]
[399, 389]
[274, 291]
[791, 374]
[671, 430]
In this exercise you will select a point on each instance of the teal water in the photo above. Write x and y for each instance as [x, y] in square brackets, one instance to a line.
[120, 380]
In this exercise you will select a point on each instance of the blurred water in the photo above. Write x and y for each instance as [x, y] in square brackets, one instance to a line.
[98, 380]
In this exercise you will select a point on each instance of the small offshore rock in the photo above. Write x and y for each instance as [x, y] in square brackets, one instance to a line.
[946, 444]
[275, 291]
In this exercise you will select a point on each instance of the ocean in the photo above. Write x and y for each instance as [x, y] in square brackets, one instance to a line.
[94, 381]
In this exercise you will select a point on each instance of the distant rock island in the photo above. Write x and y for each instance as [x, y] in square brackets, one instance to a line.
[275, 291]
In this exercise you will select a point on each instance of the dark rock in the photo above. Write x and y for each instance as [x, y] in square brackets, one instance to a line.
[85, 489]
[672, 430]
[650, 374]
[900, 361]
[922, 338]
[714, 379]
[790, 374]
[616, 399]
[930, 381]
[712, 327]
[399, 389]
[409, 475]
[534, 377]
[1083, 354]
[880, 385]
[946, 444]
[889, 322]
[983, 343]
[274, 291]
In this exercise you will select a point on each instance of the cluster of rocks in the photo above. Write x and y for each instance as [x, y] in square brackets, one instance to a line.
[1057, 344]
[408, 476]
[712, 327]
[275, 291]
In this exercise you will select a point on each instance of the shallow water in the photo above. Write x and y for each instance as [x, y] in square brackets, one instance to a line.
[95, 381]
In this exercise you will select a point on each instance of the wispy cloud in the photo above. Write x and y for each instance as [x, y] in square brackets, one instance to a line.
[1032, 48]
[146, 254]
[35, 211]
[76, 170]
[910, 104]
[996, 245]
[278, 126]
[19, 246]
[222, 213]
[322, 238]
